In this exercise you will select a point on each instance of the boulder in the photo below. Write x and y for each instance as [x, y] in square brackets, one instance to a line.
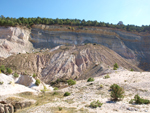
[26, 80]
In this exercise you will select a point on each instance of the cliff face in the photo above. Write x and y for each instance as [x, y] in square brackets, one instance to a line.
[14, 40]
[134, 47]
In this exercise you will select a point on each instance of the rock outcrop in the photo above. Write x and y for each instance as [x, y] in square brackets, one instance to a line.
[14, 40]
[6, 108]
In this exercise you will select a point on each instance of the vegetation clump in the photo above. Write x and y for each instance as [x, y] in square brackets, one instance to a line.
[9, 71]
[2, 68]
[107, 76]
[60, 108]
[101, 86]
[131, 70]
[138, 100]
[55, 93]
[55, 88]
[37, 82]
[66, 94]
[90, 79]
[115, 66]
[16, 75]
[34, 75]
[71, 82]
[117, 92]
[95, 104]
[1, 83]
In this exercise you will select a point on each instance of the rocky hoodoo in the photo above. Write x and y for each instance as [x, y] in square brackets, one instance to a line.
[76, 62]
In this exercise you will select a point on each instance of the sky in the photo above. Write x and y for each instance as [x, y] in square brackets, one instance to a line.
[131, 12]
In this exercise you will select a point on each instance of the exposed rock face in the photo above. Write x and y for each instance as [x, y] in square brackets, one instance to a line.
[6, 108]
[14, 40]
[68, 62]
[19, 102]
[132, 46]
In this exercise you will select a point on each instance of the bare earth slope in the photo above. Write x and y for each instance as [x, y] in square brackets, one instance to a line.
[78, 62]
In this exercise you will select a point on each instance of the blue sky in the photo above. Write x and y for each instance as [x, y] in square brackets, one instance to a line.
[135, 12]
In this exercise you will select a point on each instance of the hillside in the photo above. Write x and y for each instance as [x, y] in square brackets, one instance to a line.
[77, 62]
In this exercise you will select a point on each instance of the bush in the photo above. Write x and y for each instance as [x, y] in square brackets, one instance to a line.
[71, 82]
[55, 88]
[0, 71]
[1, 83]
[34, 75]
[95, 104]
[116, 92]
[9, 71]
[101, 86]
[55, 93]
[90, 79]
[116, 65]
[114, 68]
[107, 76]
[2, 68]
[66, 94]
[138, 100]
[16, 75]
[37, 82]
[131, 69]
[60, 108]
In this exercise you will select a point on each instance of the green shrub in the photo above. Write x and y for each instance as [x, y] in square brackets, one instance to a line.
[0, 72]
[107, 76]
[131, 69]
[37, 82]
[9, 71]
[116, 92]
[116, 66]
[138, 100]
[60, 108]
[55, 93]
[101, 86]
[95, 104]
[55, 88]
[131, 101]
[34, 75]
[16, 75]
[69, 27]
[71, 82]
[66, 94]
[90, 79]
[2, 68]
[1, 83]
